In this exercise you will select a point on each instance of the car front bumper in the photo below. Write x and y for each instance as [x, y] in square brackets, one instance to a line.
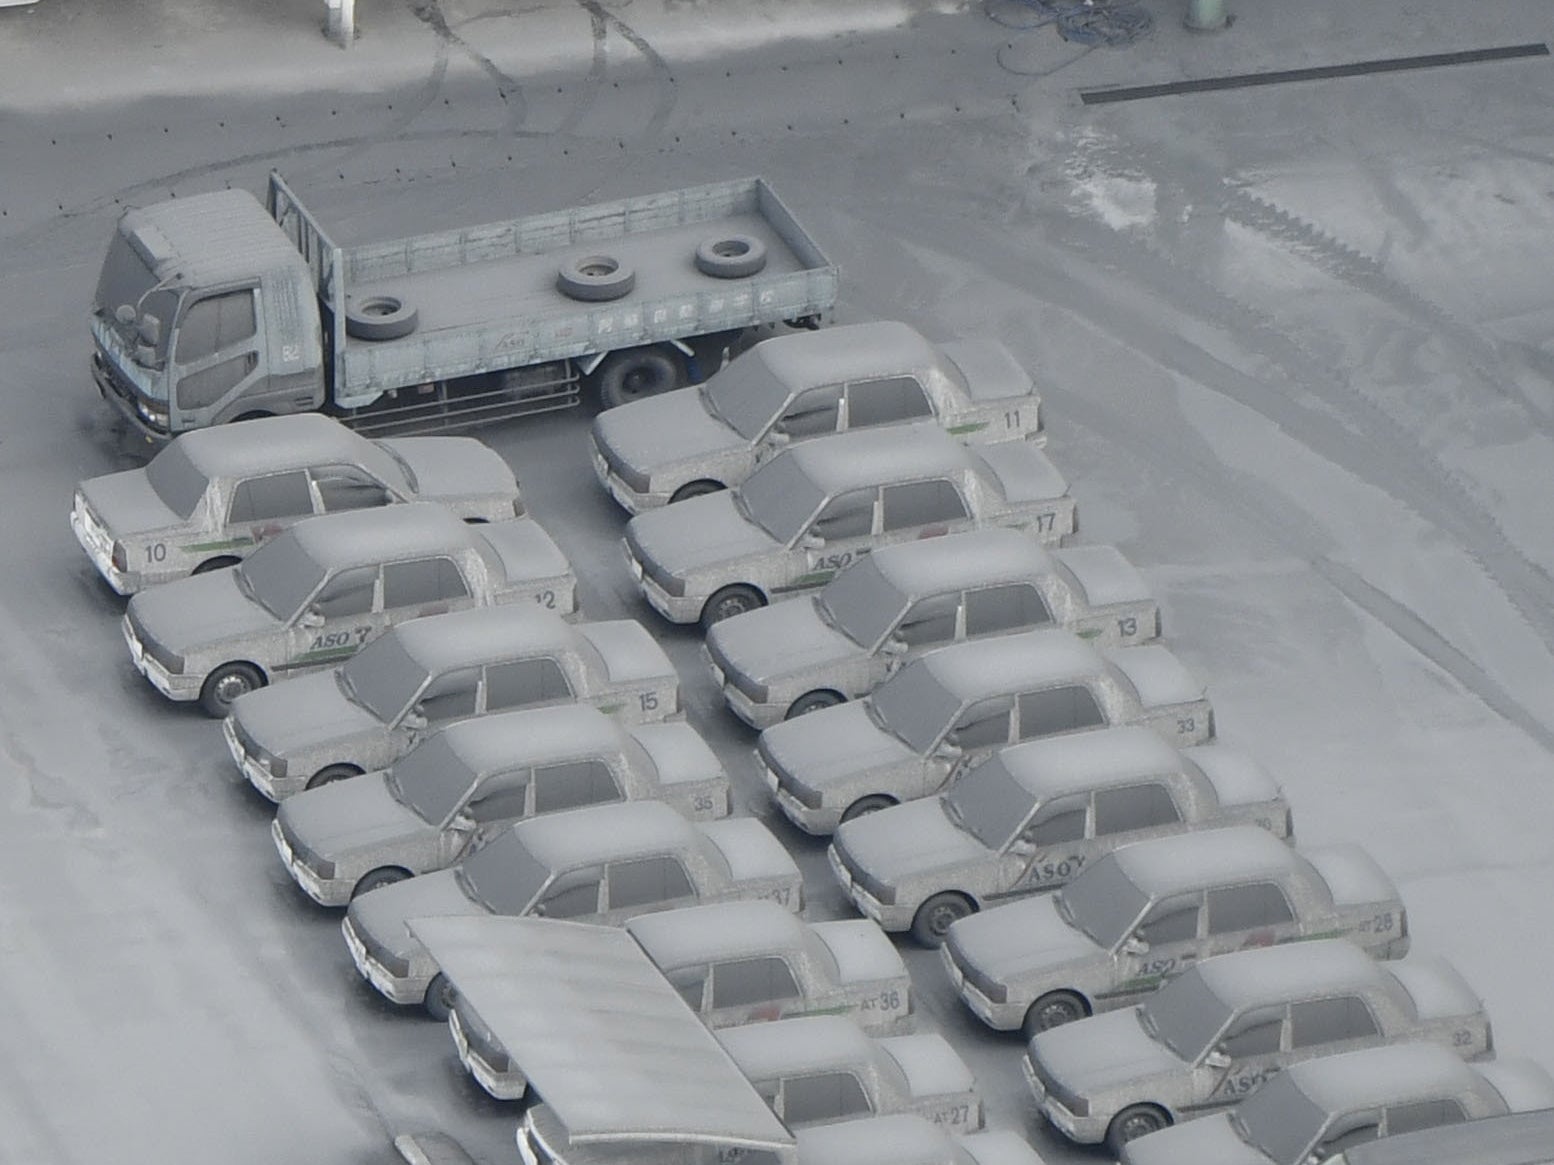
[324, 891]
[1086, 1130]
[675, 608]
[174, 687]
[630, 500]
[821, 822]
[999, 1016]
[891, 918]
[404, 990]
[509, 1085]
[270, 786]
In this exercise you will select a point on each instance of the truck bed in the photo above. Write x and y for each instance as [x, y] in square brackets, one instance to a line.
[487, 297]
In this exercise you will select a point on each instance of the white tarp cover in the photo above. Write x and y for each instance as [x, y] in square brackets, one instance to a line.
[599, 1032]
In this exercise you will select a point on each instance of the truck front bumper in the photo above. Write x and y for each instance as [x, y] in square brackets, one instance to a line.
[142, 417]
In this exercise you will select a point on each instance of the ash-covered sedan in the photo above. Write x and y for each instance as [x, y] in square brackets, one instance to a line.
[816, 508]
[1213, 1034]
[428, 673]
[824, 1068]
[1148, 911]
[460, 786]
[213, 495]
[600, 865]
[950, 708]
[733, 962]
[1321, 1107]
[900, 601]
[680, 444]
[317, 593]
[1033, 815]
[906, 1139]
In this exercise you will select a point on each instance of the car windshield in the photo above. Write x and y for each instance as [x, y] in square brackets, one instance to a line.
[383, 677]
[1103, 902]
[176, 480]
[1281, 1120]
[745, 395]
[861, 603]
[280, 576]
[915, 707]
[989, 803]
[503, 876]
[780, 499]
[1185, 1015]
[431, 780]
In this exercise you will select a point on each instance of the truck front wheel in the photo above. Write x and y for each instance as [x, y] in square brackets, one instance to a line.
[633, 373]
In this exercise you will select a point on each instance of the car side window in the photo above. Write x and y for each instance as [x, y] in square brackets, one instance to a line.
[348, 593]
[1171, 920]
[691, 983]
[572, 785]
[1254, 1033]
[1005, 608]
[1233, 908]
[983, 725]
[277, 495]
[922, 503]
[422, 581]
[848, 515]
[811, 412]
[1325, 1021]
[503, 798]
[523, 682]
[1134, 807]
[826, 1096]
[1054, 710]
[930, 620]
[886, 401]
[742, 982]
[574, 894]
[1347, 1131]
[647, 882]
[1058, 820]
[450, 695]
[214, 324]
[345, 487]
[1423, 1114]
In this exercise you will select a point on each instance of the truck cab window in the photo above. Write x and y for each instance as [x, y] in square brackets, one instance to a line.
[214, 324]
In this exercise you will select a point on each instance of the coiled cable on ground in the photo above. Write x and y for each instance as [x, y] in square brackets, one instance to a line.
[1087, 22]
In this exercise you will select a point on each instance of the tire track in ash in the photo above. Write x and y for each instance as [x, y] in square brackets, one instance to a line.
[599, 28]
[508, 88]
[663, 75]
[1376, 454]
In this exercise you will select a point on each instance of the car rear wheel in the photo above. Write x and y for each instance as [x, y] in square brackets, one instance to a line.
[1053, 1009]
[870, 804]
[382, 876]
[439, 997]
[730, 601]
[933, 918]
[1135, 1121]
[813, 702]
[226, 684]
[211, 564]
[329, 774]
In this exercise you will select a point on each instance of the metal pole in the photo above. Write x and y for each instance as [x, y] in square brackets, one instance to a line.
[1206, 15]
[342, 21]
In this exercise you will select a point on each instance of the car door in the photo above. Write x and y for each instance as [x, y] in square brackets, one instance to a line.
[1005, 609]
[575, 894]
[812, 413]
[1058, 710]
[574, 784]
[1254, 914]
[750, 990]
[260, 507]
[338, 488]
[526, 683]
[1164, 943]
[839, 534]
[1327, 1026]
[449, 696]
[922, 509]
[500, 799]
[1249, 1050]
[822, 1098]
[931, 621]
[344, 614]
[1129, 813]
[418, 587]
[885, 400]
[639, 885]
[1052, 846]
[981, 727]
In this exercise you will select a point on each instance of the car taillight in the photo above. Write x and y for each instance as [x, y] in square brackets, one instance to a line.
[120, 557]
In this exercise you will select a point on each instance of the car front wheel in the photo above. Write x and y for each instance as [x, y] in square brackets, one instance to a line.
[226, 684]
[934, 917]
[1135, 1121]
[1053, 1009]
[730, 601]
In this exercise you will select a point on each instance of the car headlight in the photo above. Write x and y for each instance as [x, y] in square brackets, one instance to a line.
[803, 794]
[752, 689]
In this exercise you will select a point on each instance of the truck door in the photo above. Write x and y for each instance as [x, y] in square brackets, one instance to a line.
[215, 355]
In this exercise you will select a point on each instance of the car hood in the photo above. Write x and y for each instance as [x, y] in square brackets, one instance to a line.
[454, 467]
[1102, 1052]
[1207, 1139]
[697, 533]
[833, 744]
[354, 814]
[200, 610]
[383, 912]
[779, 640]
[302, 713]
[1020, 938]
[917, 837]
[657, 432]
[126, 504]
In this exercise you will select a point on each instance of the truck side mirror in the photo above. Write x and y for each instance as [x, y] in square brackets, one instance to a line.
[125, 314]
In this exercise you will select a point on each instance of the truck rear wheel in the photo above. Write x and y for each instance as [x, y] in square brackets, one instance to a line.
[380, 317]
[633, 373]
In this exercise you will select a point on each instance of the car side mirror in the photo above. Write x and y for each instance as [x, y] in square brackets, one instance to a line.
[949, 750]
[312, 617]
[779, 435]
[1022, 847]
[415, 719]
[1218, 1059]
[893, 646]
[812, 541]
[1134, 945]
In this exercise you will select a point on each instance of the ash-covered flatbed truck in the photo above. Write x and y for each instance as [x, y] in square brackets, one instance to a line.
[213, 308]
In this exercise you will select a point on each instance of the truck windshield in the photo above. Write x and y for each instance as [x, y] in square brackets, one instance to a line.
[780, 499]
[431, 780]
[861, 603]
[1185, 1015]
[503, 876]
[126, 279]
[1280, 1119]
[176, 480]
[989, 803]
[1103, 902]
[915, 707]
[280, 577]
[383, 677]
[745, 395]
